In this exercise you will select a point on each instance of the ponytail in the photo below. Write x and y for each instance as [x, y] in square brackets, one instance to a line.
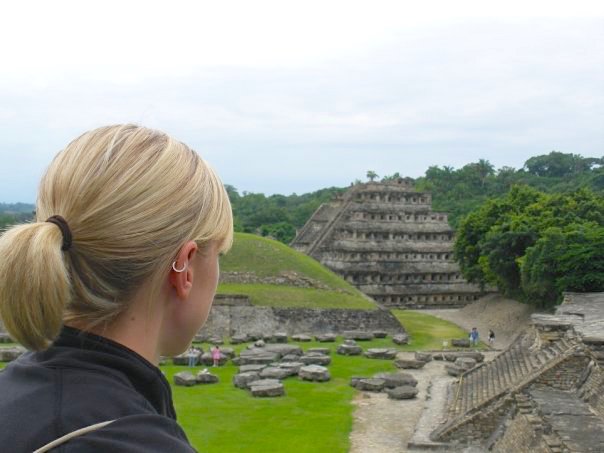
[34, 283]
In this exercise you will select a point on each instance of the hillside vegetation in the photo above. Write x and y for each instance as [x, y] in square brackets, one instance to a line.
[265, 260]
[534, 246]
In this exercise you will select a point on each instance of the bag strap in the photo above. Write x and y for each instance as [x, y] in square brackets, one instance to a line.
[78, 432]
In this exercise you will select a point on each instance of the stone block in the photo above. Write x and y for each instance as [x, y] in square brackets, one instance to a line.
[460, 343]
[239, 338]
[185, 379]
[404, 392]
[267, 388]
[229, 352]
[324, 351]
[315, 359]
[358, 335]
[409, 363]
[453, 370]
[400, 338]
[301, 338]
[398, 379]
[465, 363]
[280, 337]
[292, 367]
[349, 349]
[246, 368]
[314, 373]
[257, 356]
[423, 356]
[379, 334]
[326, 338]
[355, 379]
[381, 353]
[271, 372]
[206, 378]
[242, 380]
[284, 349]
[453, 356]
[370, 384]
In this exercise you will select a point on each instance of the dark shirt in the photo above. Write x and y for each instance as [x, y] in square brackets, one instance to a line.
[83, 379]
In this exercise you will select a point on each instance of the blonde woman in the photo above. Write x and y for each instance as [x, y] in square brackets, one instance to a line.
[119, 268]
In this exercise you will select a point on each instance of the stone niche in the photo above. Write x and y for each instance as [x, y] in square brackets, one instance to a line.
[385, 239]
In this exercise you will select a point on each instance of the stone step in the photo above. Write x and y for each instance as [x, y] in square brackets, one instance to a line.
[557, 347]
[564, 343]
[490, 382]
[527, 367]
[509, 368]
[500, 380]
[506, 371]
[536, 363]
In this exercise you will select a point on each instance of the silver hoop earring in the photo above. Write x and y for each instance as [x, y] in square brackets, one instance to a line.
[178, 270]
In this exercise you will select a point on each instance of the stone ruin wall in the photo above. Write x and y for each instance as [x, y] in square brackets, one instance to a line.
[520, 435]
[385, 239]
[228, 319]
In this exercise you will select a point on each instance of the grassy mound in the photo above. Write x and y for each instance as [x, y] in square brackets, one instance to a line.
[266, 258]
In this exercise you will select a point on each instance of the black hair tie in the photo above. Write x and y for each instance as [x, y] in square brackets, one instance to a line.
[62, 224]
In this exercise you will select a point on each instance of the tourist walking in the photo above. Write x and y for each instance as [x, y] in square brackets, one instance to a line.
[192, 356]
[491, 337]
[216, 355]
[119, 268]
[474, 337]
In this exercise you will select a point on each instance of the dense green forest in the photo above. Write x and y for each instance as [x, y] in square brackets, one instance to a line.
[532, 245]
[12, 213]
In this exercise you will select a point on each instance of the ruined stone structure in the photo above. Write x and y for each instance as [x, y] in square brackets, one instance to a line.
[385, 239]
[542, 394]
[236, 316]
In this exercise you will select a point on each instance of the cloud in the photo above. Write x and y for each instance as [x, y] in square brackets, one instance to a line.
[277, 120]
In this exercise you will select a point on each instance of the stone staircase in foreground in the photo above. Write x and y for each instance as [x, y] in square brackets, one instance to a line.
[508, 370]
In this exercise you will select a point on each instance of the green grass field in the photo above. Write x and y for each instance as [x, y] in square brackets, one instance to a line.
[312, 417]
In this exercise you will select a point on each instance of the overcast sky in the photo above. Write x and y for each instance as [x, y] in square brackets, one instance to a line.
[284, 97]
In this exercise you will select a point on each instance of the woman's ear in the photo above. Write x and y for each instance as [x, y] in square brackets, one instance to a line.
[182, 274]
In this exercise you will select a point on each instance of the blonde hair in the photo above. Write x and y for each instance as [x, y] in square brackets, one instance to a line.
[132, 197]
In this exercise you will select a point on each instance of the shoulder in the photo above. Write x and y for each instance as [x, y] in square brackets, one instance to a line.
[136, 434]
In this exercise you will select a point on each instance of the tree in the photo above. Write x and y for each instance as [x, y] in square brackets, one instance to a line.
[371, 175]
[394, 177]
[564, 259]
[533, 245]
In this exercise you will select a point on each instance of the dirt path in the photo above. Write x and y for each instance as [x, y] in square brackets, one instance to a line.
[382, 425]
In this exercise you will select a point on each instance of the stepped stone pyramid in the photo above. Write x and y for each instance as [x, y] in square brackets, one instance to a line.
[384, 238]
